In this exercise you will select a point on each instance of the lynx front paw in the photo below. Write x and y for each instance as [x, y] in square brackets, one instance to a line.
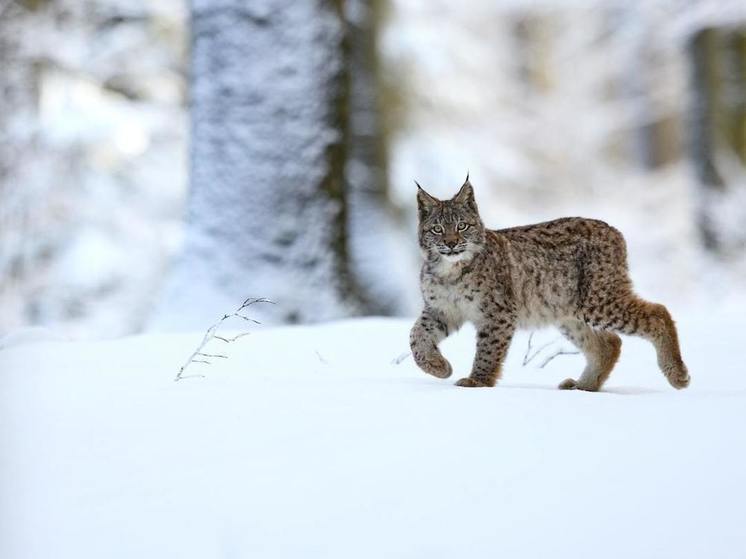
[678, 377]
[435, 365]
[568, 384]
[470, 382]
[572, 384]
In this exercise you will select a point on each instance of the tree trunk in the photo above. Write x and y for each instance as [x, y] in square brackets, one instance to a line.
[705, 84]
[267, 209]
[718, 139]
[374, 231]
[735, 91]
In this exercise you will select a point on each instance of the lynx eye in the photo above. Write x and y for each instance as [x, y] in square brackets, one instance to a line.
[463, 226]
[438, 230]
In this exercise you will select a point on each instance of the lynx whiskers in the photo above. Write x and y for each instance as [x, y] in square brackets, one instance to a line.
[571, 273]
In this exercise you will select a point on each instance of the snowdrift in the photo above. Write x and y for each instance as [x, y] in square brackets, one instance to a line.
[315, 442]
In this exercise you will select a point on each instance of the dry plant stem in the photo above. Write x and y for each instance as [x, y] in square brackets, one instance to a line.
[199, 356]
[400, 358]
[528, 357]
[557, 353]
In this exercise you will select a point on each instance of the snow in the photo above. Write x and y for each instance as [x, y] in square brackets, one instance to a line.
[310, 441]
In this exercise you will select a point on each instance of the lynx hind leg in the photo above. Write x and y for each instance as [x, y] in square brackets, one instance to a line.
[601, 350]
[654, 323]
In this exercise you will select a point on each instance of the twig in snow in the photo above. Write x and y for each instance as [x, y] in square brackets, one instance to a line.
[556, 353]
[233, 339]
[210, 335]
[400, 358]
[530, 356]
[323, 361]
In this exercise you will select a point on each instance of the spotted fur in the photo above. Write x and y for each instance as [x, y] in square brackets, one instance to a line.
[571, 273]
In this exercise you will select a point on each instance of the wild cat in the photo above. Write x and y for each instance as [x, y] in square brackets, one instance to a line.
[570, 272]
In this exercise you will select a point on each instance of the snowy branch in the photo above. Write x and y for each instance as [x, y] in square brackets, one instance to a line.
[199, 356]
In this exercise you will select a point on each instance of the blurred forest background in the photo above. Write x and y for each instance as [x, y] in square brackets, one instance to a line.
[161, 160]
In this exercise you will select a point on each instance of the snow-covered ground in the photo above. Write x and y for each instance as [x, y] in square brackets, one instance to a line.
[312, 442]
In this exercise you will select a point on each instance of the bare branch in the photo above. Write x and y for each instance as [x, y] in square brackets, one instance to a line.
[528, 357]
[400, 358]
[557, 353]
[531, 355]
[233, 339]
[211, 335]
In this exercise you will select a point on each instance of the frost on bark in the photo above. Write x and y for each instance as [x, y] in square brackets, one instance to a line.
[266, 213]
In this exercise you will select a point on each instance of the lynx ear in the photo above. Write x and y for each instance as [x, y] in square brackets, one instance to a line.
[425, 202]
[466, 194]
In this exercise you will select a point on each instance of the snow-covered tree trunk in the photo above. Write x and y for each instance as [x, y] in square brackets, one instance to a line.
[266, 211]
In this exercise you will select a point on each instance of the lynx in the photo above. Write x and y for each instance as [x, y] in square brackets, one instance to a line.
[571, 273]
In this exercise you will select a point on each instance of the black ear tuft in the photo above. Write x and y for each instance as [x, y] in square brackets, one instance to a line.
[425, 202]
[465, 195]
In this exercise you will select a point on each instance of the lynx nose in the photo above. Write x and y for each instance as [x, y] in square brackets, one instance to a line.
[451, 242]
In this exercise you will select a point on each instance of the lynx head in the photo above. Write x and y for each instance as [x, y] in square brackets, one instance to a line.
[450, 229]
